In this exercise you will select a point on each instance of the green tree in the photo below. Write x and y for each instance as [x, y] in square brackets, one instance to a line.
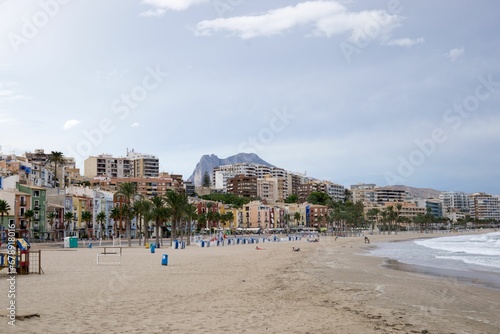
[373, 217]
[87, 218]
[51, 216]
[56, 158]
[128, 190]
[68, 218]
[236, 201]
[318, 198]
[101, 219]
[398, 217]
[29, 215]
[191, 214]
[4, 209]
[141, 207]
[205, 182]
[159, 213]
[177, 204]
[293, 198]
[296, 217]
[117, 216]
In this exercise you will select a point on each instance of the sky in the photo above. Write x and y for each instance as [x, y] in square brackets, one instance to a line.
[386, 92]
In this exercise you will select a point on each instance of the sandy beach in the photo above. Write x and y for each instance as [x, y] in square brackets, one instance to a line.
[327, 287]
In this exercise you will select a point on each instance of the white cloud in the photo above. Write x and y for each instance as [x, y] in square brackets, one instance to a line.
[163, 5]
[154, 12]
[328, 18]
[70, 124]
[405, 41]
[5, 118]
[455, 53]
[9, 91]
[135, 125]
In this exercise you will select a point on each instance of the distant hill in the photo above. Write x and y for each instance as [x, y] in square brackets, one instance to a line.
[209, 162]
[422, 193]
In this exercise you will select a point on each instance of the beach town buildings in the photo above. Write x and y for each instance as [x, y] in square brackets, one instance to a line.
[145, 186]
[455, 205]
[135, 164]
[19, 203]
[434, 206]
[243, 186]
[103, 201]
[484, 207]
[271, 184]
[43, 170]
[38, 205]
[27, 182]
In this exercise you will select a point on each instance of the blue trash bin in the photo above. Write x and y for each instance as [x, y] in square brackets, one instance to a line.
[153, 248]
[90, 245]
[202, 243]
[176, 244]
[164, 260]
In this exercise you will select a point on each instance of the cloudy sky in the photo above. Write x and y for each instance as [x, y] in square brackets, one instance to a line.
[385, 92]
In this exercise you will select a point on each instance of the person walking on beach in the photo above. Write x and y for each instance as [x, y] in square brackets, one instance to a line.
[367, 241]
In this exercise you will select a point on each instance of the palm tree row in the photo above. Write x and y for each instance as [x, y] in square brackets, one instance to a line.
[172, 206]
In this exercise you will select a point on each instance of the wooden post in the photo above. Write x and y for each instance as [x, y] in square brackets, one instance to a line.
[39, 262]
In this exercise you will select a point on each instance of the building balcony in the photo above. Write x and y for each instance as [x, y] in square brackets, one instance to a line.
[22, 203]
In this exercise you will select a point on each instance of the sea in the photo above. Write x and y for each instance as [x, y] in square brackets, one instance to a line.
[470, 258]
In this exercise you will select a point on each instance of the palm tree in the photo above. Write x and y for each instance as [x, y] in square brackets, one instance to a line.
[227, 217]
[399, 206]
[87, 218]
[158, 213]
[116, 215]
[128, 190]
[29, 215]
[4, 209]
[51, 216]
[56, 158]
[384, 214]
[191, 215]
[296, 217]
[101, 219]
[177, 204]
[141, 206]
[373, 217]
[391, 216]
[68, 218]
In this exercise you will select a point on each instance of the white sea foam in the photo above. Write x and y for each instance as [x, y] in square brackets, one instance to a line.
[463, 252]
[472, 249]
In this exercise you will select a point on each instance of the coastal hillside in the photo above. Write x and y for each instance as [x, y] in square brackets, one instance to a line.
[208, 162]
[422, 193]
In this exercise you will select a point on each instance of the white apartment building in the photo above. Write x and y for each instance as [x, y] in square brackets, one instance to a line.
[133, 165]
[455, 201]
[484, 206]
[221, 174]
[335, 191]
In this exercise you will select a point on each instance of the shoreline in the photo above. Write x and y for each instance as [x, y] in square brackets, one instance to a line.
[485, 278]
[328, 286]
